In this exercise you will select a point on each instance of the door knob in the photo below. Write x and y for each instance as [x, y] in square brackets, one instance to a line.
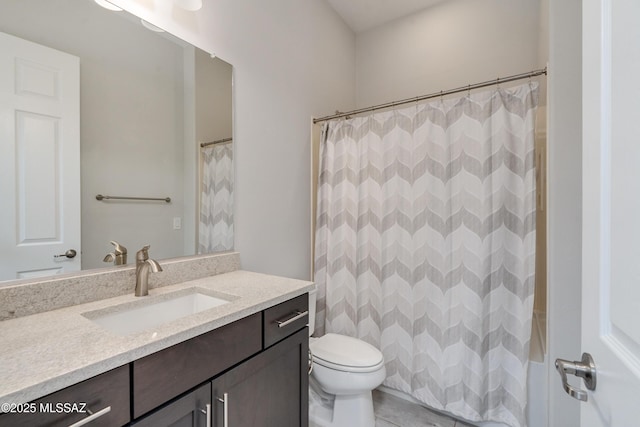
[585, 369]
[71, 253]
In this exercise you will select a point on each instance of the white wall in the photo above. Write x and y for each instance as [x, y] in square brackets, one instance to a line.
[292, 59]
[564, 201]
[451, 44]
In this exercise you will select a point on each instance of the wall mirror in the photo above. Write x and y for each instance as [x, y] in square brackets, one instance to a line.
[94, 103]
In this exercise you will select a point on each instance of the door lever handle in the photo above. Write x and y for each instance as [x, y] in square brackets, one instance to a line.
[71, 253]
[585, 369]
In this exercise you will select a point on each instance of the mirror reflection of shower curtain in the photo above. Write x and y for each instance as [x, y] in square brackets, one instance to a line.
[216, 199]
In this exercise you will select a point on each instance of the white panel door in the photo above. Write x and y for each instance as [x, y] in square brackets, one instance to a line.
[39, 159]
[611, 210]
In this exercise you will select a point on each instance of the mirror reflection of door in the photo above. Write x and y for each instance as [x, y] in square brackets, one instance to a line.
[39, 133]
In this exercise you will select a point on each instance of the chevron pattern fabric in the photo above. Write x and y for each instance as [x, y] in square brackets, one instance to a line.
[425, 247]
[216, 199]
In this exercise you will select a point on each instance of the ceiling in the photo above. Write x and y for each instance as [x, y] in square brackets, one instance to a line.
[362, 15]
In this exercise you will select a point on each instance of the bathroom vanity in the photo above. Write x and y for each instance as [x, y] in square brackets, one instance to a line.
[244, 363]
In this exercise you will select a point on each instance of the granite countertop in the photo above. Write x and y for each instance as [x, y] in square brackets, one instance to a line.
[46, 352]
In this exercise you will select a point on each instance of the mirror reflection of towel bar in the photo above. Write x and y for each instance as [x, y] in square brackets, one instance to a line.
[160, 199]
[219, 141]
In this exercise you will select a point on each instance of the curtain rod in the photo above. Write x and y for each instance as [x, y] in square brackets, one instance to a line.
[499, 80]
[219, 141]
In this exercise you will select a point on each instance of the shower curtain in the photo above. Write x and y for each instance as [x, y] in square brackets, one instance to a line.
[216, 199]
[425, 246]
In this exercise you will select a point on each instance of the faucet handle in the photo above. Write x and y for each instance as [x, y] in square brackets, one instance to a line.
[119, 249]
[118, 256]
[143, 254]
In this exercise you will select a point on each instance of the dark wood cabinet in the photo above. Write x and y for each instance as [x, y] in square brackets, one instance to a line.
[168, 373]
[269, 390]
[256, 367]
[190, 410]
[104, 397]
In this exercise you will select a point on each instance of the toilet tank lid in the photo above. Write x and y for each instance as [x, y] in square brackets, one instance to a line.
[345, 351]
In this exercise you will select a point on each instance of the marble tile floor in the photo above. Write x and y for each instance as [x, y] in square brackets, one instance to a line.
[392, 411]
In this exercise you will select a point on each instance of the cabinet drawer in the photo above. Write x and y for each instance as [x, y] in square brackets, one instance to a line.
[161, 376]
[108, 390]
[284, 319]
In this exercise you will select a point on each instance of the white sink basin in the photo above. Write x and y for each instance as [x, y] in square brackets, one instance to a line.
[135, 317]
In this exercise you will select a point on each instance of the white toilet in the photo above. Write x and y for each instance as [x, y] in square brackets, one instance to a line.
[345, 370]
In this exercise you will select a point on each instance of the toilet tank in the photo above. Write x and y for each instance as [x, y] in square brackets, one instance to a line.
[312, 310]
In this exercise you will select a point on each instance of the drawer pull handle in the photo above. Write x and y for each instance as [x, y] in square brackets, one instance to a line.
[225, 409]
[298, 315]
[91, 417]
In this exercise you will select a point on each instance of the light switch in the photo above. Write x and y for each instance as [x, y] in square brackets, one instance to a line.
[177, 223]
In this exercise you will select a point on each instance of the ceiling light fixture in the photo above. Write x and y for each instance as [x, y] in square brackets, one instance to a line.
[108, 5]
[190, 5]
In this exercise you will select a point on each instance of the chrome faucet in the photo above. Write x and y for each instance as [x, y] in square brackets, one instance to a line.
[143, 264]
[118, 256]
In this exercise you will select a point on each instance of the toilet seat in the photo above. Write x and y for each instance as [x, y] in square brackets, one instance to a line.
[347, 354]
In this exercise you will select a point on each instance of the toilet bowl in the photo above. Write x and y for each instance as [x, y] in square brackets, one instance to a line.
[345, 371]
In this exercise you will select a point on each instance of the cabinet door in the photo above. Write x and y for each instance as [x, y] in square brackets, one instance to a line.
[191, 410]
[269, 390]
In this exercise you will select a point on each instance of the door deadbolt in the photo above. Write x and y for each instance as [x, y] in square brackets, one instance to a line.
[585, 369]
